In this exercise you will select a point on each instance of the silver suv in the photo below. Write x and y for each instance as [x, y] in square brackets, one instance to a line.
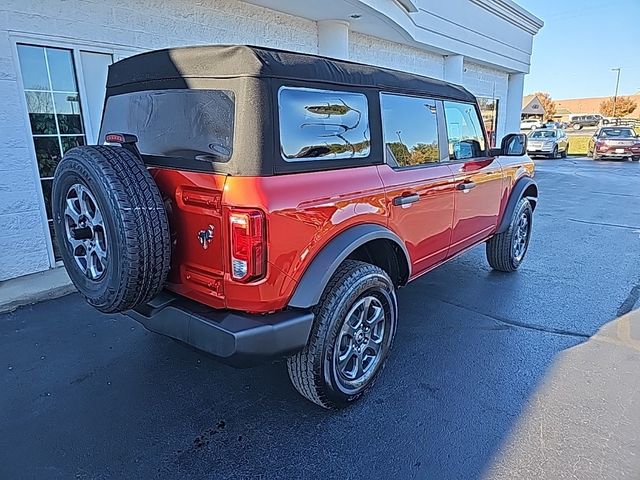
[551, 143]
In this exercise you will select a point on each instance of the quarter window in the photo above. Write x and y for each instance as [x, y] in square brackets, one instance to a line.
[323, 124]
[410, 130]
[466, 139]
[53, 103]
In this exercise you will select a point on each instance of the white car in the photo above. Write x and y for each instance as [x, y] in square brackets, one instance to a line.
[530, 124]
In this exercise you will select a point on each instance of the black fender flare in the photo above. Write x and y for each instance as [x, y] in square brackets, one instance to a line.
[517, 192]
[323, 266]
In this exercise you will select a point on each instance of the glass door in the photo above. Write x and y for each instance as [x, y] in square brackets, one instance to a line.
[57, 115]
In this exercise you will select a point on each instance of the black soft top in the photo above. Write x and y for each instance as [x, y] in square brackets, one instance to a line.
[175, 65]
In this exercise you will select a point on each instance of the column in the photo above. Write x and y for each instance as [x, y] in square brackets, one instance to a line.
[515, 89]
[453, 68]
[333, 38]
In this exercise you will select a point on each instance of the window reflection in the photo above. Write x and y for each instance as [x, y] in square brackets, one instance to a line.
[33, 67]
[489, 108]
[323, 124]
[466, 139]
[53, 105]
[410, 129]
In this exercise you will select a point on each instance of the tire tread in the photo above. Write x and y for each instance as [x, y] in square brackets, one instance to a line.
[144, 237]
[304, 367]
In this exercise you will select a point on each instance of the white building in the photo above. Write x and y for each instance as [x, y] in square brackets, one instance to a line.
[54, 57]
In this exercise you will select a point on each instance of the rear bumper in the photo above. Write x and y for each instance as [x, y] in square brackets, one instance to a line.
[614, 154]
[236, 338]
[539, 151]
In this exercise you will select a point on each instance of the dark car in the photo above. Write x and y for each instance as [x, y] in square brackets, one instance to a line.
[615, 142]
[577, 122]
[256, 203]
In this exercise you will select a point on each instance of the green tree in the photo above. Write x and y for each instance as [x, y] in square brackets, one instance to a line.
[400, 152]
[424, 153]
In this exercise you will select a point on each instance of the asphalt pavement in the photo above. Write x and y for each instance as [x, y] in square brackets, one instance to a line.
[506, 376]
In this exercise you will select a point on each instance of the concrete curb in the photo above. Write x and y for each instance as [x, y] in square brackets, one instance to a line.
[34, 288]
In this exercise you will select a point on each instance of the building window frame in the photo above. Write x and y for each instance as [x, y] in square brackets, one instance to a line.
[76, 47]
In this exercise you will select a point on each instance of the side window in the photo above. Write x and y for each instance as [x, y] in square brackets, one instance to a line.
[322, 124]
[466, 139]
[410, 129]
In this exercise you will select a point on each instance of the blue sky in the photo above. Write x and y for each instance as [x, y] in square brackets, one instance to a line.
[581, 41]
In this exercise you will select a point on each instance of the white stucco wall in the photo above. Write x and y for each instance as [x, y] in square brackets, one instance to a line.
[383, 53]
[487, 82]
[126, 27]
[123, 27]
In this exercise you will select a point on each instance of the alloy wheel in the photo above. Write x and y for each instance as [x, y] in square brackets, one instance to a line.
[521, 237]
[360, 344]
[85, 231]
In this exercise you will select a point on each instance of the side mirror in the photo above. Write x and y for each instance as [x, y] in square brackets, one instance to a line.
[513, 145]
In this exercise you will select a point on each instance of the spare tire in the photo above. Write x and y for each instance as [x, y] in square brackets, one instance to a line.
[111, 227]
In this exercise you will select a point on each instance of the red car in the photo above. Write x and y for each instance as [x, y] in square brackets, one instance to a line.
[254, 203]
[615, 142]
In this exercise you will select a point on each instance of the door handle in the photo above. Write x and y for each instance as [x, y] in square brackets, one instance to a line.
[406, 199]
[465, 186]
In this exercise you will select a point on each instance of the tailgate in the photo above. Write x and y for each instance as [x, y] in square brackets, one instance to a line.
[194, 207]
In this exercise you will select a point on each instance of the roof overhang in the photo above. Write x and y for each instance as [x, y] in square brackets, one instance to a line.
[495, 33]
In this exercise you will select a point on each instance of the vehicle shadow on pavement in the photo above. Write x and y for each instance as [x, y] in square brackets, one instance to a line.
[96, 395]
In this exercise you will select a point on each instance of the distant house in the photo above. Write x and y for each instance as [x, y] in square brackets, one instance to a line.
[532, 107]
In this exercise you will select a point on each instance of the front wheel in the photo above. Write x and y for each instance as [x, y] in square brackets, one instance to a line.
[635, 159]
[506, 251]
[354, 326]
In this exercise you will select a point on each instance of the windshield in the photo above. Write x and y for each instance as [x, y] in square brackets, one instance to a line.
[617, 133]
[543, 134]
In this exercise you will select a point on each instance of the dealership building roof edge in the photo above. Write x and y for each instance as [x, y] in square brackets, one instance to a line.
[54, 58]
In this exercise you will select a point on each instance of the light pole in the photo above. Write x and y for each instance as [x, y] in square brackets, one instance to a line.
[615, 96]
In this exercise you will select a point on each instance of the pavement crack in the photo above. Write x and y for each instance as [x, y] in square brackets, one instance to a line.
[627, 305]
[519, 324]
[616, 194]
[604, 224]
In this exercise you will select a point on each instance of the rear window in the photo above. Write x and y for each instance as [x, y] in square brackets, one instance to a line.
[617, 133]
[542, 134]
[323, 124]
[191, 124]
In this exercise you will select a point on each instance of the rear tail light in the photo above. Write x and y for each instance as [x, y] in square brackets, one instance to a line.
[248, 245]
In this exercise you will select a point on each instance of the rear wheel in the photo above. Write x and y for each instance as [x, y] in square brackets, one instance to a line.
[635, 159]
[354, 326]
[565, 152]
[111, 227]
[577, 126]
[506, 251]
